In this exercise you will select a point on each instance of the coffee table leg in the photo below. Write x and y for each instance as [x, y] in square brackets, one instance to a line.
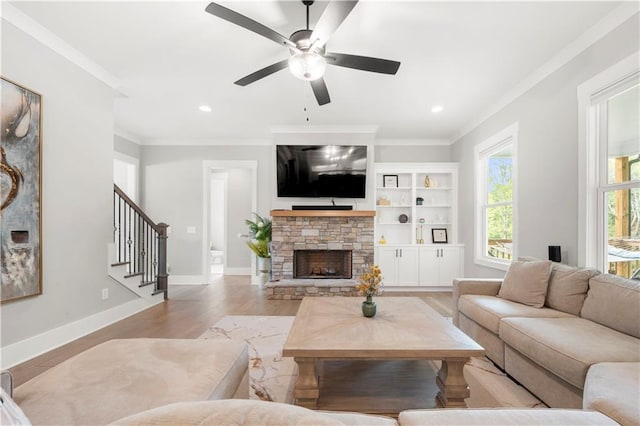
[453, 386]
[307, 391]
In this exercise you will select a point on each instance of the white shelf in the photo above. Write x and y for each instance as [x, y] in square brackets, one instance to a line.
[439, 206]
[393, 188]
[394, 223]
[396, 206]
[443, 188]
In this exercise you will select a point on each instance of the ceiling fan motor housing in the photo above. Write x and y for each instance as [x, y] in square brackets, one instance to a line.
[302, 39]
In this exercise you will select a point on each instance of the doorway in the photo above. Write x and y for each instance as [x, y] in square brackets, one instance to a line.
[229, 197]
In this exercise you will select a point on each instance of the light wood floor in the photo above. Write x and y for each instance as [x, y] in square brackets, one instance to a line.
[188, 313]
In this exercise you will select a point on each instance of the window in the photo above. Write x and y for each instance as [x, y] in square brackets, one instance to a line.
[495, 161]
[615, 132]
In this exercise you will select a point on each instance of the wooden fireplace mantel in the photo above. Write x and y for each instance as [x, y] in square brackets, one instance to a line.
[323, 213]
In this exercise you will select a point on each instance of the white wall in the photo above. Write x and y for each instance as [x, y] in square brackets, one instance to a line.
[77, 188]
[238, 210]
[547, 154]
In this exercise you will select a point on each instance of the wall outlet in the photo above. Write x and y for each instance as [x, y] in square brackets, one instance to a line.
[105, 293]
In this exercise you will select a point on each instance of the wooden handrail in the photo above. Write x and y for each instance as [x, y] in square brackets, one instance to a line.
[135, 207]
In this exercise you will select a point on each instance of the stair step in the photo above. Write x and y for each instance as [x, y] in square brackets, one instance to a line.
[157, 292]
[146, 283]
[120, 263]
[135, 274]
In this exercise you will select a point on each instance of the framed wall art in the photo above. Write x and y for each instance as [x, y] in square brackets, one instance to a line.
[390, 181]
[439, 235]
[20, 197]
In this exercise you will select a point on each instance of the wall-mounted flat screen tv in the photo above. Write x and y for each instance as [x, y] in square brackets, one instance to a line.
[336, 171]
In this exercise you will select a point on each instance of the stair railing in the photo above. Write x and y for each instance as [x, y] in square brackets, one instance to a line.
[140, 243]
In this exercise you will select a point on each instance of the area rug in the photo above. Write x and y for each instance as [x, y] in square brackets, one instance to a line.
[271, 377]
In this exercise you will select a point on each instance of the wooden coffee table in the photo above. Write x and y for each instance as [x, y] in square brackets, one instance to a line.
[404, 328]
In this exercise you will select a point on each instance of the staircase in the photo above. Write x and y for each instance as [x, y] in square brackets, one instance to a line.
[138, 256]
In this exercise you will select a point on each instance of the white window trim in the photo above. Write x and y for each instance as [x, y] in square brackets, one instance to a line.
[590, 199]
[507, 136]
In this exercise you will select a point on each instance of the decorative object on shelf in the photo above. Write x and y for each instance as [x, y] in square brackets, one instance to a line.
[20, 196]
[434, 183]
[439, 235]
[427, 182]
[403, 218]
[419, 201]
[390, 181]
[420, 231]
[383, 201]
[554, 254]
[369, 286]
[382, 240]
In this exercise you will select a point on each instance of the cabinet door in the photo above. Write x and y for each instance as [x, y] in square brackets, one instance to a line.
[408, 266]
[429, 266]
[450, 262]
[387, 261]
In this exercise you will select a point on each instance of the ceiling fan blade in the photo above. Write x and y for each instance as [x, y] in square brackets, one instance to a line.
[365, 63]
[263, 73]
[249, 24]
[320, 90]
[334, 14]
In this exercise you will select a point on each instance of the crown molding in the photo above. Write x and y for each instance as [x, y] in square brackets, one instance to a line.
[413, 142]
[611, 21]
[125, 134]
[206, 142]
[20, 20]
[324, 129]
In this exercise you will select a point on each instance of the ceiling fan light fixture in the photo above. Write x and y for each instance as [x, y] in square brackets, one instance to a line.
[307, 65]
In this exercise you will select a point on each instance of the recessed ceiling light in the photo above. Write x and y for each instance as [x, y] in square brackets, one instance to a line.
[437, 108]
[205, 108]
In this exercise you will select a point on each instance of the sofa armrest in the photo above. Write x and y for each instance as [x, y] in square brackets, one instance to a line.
[482, 286]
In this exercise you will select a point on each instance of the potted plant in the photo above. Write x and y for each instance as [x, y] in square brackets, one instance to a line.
[260, 243]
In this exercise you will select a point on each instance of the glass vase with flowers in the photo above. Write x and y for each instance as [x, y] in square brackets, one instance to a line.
[369, 285]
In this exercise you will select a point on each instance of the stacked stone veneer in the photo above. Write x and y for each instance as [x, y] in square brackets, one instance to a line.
[291, 233]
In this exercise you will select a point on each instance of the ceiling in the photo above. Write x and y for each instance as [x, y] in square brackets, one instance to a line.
[171, 57]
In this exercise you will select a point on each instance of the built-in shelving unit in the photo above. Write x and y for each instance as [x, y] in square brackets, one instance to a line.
[412, 199]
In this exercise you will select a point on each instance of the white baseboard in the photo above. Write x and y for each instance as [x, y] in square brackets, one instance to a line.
[186, 280]
[24, 350]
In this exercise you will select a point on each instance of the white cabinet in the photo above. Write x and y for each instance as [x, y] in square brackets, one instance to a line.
[440, 265]
[414, 201]
[399, 265]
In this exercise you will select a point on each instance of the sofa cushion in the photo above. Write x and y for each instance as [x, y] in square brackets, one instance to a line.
[568, 288]
[615, 302]
[237, 412]
[567, 347]
[526, 282]
[125, 376]
[501, 416]
[488, 311]
[613, 388]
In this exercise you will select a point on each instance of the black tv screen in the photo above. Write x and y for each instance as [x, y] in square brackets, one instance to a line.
[321, 171]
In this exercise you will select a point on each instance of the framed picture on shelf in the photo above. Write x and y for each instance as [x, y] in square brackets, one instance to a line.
[390, 181]
[439, 235]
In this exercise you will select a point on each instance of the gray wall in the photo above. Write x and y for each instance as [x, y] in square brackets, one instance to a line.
[77, 188]
[547, 154]
[172, 193]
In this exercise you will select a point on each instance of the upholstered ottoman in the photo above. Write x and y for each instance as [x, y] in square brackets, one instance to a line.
[499, 417]
[126, 376]
[613, 388]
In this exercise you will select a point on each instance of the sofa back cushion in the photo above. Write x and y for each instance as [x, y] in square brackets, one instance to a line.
[526, 282]
[614, 302]
[568, 288]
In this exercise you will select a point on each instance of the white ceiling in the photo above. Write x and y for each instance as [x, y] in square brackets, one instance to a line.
[171, 57]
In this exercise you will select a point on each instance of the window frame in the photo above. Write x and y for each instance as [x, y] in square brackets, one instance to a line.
[593, 182]
[507, 137]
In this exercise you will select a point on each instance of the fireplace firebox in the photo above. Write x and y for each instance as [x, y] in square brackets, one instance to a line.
[322, 264]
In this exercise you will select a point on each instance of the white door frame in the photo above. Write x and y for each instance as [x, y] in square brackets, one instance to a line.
[209, 166]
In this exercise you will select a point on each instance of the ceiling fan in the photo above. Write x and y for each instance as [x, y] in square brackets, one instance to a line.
[308, 58]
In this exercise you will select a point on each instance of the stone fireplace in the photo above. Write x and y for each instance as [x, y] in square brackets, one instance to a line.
[336, 247]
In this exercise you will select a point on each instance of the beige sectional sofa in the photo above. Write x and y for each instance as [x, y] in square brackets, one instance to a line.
[581, 348]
